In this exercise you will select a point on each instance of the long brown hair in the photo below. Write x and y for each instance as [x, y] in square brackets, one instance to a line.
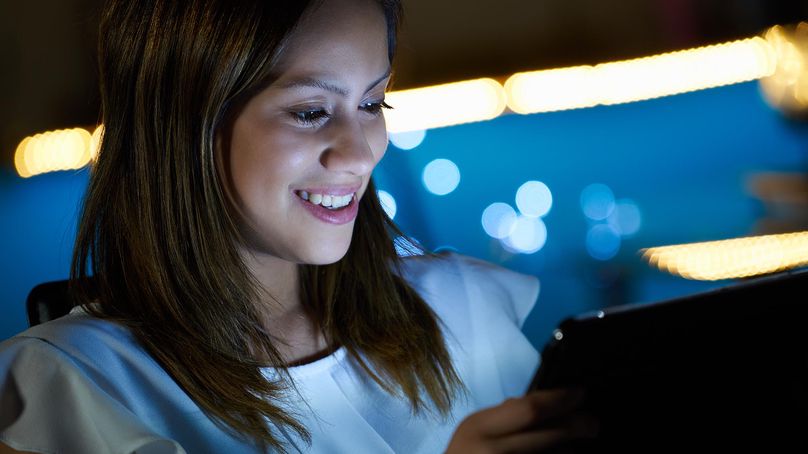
[160, 243]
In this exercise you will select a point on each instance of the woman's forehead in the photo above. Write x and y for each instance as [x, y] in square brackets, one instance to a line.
[338, 26]
[335, 39]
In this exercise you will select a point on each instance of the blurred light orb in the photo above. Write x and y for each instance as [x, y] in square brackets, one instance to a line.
[638, 79]
[34, 151]
[61, 149]
[19, 158]
[602, 242]
[528, 236]
[388, 203]
[534, 199]
[597, 201]
[441, 176]
[499, 220]
[407, 140]
[445, 105]
[626, 218]
[786, 87]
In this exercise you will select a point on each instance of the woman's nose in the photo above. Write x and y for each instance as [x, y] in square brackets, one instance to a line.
[350, 151]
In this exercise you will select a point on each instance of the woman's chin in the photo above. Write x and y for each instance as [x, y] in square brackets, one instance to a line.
[325, 255]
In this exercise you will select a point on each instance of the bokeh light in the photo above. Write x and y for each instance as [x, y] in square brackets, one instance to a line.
[444, 105]
[626, 218]
[33, 153]
[499, 220]
[597, 201]
[534, 199]
[50, 151]
[407, 140]
[441, 176]
[639, 79]
[528, 236]
[388, 203]
[19, 159]
[550, 90]
[787, 87]
[733, 258]
[602, 242]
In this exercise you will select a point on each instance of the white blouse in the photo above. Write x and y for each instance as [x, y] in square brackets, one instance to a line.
[79, 384]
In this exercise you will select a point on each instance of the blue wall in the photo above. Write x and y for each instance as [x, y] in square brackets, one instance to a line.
[684, 160]
[37, 229]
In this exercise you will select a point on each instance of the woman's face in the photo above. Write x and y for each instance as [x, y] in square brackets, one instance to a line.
[299, 154]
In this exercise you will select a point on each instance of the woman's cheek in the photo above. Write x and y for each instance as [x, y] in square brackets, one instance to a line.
[380, 141]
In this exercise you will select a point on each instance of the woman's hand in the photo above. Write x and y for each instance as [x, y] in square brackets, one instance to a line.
[536, 422]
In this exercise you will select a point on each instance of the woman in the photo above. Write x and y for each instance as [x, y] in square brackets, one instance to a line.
[248, 296]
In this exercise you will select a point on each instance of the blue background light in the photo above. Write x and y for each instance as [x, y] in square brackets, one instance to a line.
[528, 236]
[534, 199]
[602, 241]
[407, 140]
[441, 176]
[388, 203]
[597, 201]
[626, 218]
[499, 220]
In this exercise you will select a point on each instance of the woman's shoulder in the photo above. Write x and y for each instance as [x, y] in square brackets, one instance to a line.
[54, 352]
[102, 353]
[85, 339]
[450, 282]
[81, 373]
[97, 355]
[483, 306]
[55, 402]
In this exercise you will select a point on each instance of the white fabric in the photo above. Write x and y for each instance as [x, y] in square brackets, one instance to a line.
[83, 385]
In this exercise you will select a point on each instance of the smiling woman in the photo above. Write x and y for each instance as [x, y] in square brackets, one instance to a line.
[247, 295]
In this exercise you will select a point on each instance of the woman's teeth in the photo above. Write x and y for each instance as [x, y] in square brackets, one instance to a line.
[327, 200]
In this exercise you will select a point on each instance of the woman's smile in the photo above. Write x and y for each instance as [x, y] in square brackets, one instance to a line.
[332, 205]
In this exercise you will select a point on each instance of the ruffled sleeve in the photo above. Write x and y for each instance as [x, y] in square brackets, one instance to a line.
[483, 307]
[49, 405]
[504, 291]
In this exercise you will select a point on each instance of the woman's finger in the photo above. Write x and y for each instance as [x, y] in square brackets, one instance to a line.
[515, 415]
[555, 403]
[575, 428]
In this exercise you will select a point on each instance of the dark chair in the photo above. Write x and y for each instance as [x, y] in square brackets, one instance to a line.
[48, 301]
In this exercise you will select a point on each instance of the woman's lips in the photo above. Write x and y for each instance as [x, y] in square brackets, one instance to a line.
[336, 216]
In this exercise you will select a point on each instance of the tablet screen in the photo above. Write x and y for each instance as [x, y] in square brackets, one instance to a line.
[723, 369]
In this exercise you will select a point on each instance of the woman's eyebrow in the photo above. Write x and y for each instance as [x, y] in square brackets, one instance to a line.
[315, 82]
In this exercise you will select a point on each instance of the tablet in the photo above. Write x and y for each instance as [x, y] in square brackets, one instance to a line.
[725, 369]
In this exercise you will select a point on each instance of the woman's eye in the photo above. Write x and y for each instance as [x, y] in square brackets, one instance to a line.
[375, 108]
[310, 117]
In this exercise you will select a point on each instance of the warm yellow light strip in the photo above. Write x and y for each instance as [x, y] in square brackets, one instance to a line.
[587, 86]
[735, 258]
[444, 105]
[640, 79]
[62, 149]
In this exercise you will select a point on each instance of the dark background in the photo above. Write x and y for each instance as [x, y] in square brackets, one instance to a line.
[47, 47]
